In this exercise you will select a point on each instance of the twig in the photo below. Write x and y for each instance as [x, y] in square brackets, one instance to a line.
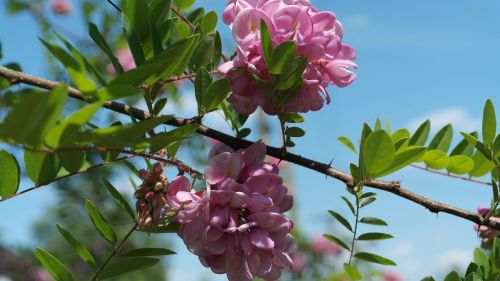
[64, 177]
[115, 6]
[388, 186]
[451, 175]
[114, 252]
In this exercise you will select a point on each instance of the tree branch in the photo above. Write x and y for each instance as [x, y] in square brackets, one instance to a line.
[388, 186]
[64, 177]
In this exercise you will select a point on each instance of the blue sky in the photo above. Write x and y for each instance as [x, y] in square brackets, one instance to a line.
[417, 60]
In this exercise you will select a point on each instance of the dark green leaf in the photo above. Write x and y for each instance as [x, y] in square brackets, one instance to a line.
[201, 84]
[364, 134]
[372, 220]
[428, 278]
[282, 57]
[337, 241]
[453, 276]
[41, 167]
[489, 123]
[378, 152]
[464, 147]
[72, 161]
[482, 166]
[80, 249]
[349, 204]
[100, 223]
[148, 252]
[373, 258]
[243, 133]
[119, 198]
[9, 174]
[98, 38]
[341, 220]
[137, 12]
[374, 236]
[292, 118]
[479, 146]
[295, 132]
[203, 53]
[421, 134]
[368, 195]
[292, 74]
[134, 40]
[159, 105]
[217, 55]
[347, 143]
[216, 93]
[266, 41]
[442, 140]
[120, 266]
[160, 10]
[367, 201]
[56, 268]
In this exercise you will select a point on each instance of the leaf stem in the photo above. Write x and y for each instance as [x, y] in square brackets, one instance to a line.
[355, 228]
[114, 252]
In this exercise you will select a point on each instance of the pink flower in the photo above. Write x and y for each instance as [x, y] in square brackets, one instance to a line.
[318, 36]
[236, 226]
[39, 274]
[486, 233]
[126, 60]
[61, 7]
[322, 246]
[299, 261]
[391, 276]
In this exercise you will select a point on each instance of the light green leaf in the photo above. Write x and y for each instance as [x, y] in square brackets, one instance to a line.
[55, 268]
[403, 159]
[421, 134]
[266, 41]
[373, 221]
[352, 271]
[442, 140]
[183, 4]
[400, 134]
[120, 266]
[292, 118]
[478, 145]
[41, 167]
[148, 252]
[9, 174]
[282, 56]
[489, 123]
[373, 258]
[341, 220]
[464, 147]
[496, 146]
[374, 236]
[347, 143]
[436, 159]
[378, 152]
[80, 249]
[460, 164]
[100, 223]
[291, 75]
[337, 241]
[119, 198]
[482, 166]
[209, 22]
[30, 120]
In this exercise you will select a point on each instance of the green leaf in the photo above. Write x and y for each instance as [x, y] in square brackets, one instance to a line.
[216, 93]
[30, 120]
[337, 241]
[117, 92]
[428, 278]
[482, 261]
[496, 146]
[100, 223]
[403, 159]
[137, 12]
[56, 268]
[282, 56]
[120, 266]
[203, 53]
[147, 252]
[267, 43]
[347, 143]
[41, 167]
[349, 204]
[400, 134]
[489, 123]
[368, 195]
[159, 105]
[140, 129]
[217, 55]
[373, 221]
[367, 201]
[453, 276]
[355, 172]
[374, 236]
[294, 132]
[478, 145]
[436, 159]
[292, 74]
[292, 118]
[119, 198]
[209, 22]
[482, 166]
[421, 134]
[373, 258]
[98, 38]
[341, 220]
[378, 125]
[201, 84]
[352, 271]
[9, 174]
[464, 147]
[442, 140]
[473, 277]
[80, 249]
[63, 132]
[364, 134]
[378, 152]
[183, 4]
[72, 161]
[460, 164]
[160, 10]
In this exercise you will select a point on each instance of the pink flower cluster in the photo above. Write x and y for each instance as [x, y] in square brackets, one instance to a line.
[126, 60]
[486, 233]
[322, 246]
[236, 226]
[318, 36]
[61, 7]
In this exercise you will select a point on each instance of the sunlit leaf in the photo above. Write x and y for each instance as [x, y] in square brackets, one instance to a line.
[55, 268]
[442, 140]
[421, 134]
[489, 123]
[378, 152]
[282, 56]
[80, 249]
[347, 143]
[100, 223]
[373, 221]
[460, 164]
[41, 167]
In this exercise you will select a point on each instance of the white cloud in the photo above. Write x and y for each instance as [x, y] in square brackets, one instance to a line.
[356, 21]
[454, 259]
[458, 116]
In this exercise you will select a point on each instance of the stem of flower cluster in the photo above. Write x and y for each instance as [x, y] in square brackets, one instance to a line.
[355, 228]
